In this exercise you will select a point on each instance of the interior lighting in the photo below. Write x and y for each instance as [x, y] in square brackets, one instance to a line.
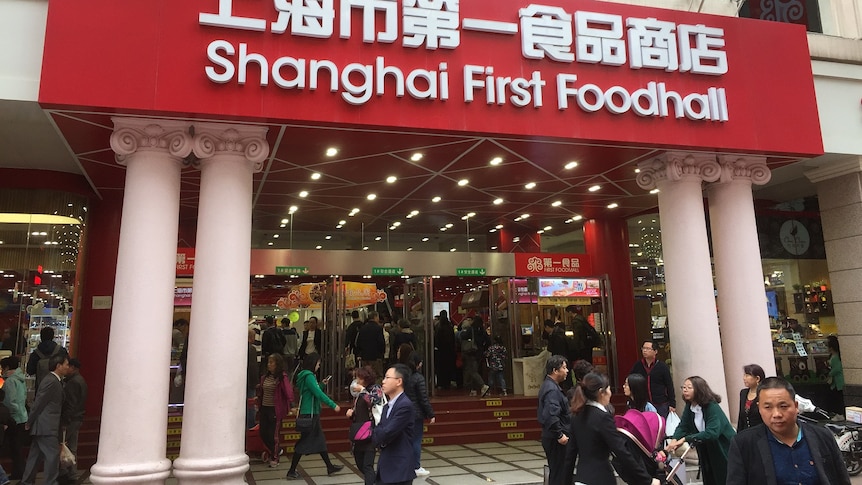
[492, 230]
[463, 182]
[284, 221]
[339, 226]
[436, 199]
[443, 229]
[19, 218]
[530, 185]
[342, 222]
[498, 201]
[315, 176]
[613, 205]
[525, 216]
[424, 239]
[637, 170]
[303, 194]
[378, 238]
[654, 191]
[496, 161]
[416, 157]
[499, 226]
[318, 247]
[471, 239]
[371, 196]
[410, 248]
[391, 179]
[493, 247]
[393, 227]
[275, 236]
[577, 218]
[448, 226]
[292, 209]
[548, 228]
[516, 239]
[269, 243]
[331, 152]
[365, 248]
[571, 165]
[595, 188]
[396, 223]
[328, 237]
[568, 221]
[557, 203]
[452, 250]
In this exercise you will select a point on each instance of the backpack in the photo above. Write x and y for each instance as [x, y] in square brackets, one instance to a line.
[467, 344]
[42, 365]
[291, 344]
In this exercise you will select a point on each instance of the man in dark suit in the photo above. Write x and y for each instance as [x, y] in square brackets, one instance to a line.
[44, 422]
[394, 434]
[782, 449]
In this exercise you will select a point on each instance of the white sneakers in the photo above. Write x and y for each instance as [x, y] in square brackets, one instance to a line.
[485, 390]
[421, 472]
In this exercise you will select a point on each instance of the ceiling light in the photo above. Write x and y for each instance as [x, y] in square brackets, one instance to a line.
[371, 196]
[525, 216]
[416, 157]
[442, 229]
[499, 226]
[393, 227]
[595, 188]
[436, 199]
[540, 231]
[452, 250]
[463, 182]
[530, 185]
[315, 176]
[424, 239]
[268, 244]
[396, 223]
[613, 205]
[654, 191]
[471, 214]
[496, 161]
[637, 170]
[449, 225]
[493, 247]
[568, 221]
[577, 218]
[557, 203]
[365, 248]
[292, 209]
[492, 230]
[304, 193]
[275, 236]
[516, 239]
[331, 152]
[471, 239]
[328, 237]
[518, 219]
[498, 201]
[571, 165]
[378, 238]
[548, 228]
[391, 179]
[410, 248]
[342, 222]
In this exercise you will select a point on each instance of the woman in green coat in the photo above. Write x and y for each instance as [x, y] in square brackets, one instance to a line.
[311, 395]
[704, 426]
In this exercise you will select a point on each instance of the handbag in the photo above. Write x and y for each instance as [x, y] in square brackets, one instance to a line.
[304, 422]
[360, 432]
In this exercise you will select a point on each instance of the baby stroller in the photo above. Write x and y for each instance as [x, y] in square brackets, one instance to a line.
[645, 433]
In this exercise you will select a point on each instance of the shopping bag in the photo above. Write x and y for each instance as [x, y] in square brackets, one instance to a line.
[360, 432]
[67, 458]
[672, 422]
[304, 422]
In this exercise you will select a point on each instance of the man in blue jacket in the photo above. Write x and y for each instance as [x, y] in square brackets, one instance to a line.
[394, 434]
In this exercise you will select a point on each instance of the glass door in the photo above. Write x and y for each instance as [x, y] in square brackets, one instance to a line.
[336, 319]
[418, 309]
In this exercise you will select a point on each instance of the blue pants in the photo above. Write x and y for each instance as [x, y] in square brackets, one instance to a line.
[497, 377]
[418, 430]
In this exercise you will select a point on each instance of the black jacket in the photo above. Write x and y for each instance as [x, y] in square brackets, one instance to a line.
[750, 459]
[370, 342]
[553, 411]
[417, 391]
[303, 345]
[660, 384]
[751, 418]
[350, 334]
[594, 437]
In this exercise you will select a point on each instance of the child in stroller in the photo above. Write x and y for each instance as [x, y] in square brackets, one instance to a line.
[645, 433]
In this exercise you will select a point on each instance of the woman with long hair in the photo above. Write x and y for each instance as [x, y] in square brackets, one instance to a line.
[704, 426]
[595, 437]
[274, 399]
[635, 389]
[310, 396]
[836, 376]
[370, 395]
[749, 413]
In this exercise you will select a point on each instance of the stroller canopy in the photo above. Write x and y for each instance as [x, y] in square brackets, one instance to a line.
[647, 427]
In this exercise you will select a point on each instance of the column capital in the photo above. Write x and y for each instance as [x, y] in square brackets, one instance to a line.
[744, 168]
[220, 138]
[138, 134]
[835, 168]
[676, 166]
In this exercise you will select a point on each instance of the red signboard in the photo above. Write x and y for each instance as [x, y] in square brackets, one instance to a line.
[185, 261]
[548, 264]
[594, 71]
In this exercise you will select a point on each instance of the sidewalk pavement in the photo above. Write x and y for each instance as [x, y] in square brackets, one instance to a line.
[506, 463]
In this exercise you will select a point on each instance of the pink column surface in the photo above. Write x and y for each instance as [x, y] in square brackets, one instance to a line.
[132, 447]
[745, 335]
[213, 440]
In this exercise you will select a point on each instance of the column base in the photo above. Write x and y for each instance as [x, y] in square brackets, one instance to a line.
[226, 470]
[136, 473]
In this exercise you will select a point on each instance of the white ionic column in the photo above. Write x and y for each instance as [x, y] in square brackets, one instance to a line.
[745, 335]
[212, 449]
[132, 446]
[692, 319]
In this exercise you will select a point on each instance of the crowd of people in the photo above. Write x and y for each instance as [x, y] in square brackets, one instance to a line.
[583, 442]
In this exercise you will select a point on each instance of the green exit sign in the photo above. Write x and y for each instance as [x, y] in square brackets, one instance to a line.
[470, 271]
[387, 271]
[291, 270]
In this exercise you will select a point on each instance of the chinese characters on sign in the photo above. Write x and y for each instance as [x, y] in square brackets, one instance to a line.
[543, 264]
[545, 32]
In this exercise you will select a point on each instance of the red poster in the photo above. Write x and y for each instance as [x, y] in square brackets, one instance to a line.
[185, 261]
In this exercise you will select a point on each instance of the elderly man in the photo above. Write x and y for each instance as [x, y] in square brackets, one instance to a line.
[782, 449]
[553, 415]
